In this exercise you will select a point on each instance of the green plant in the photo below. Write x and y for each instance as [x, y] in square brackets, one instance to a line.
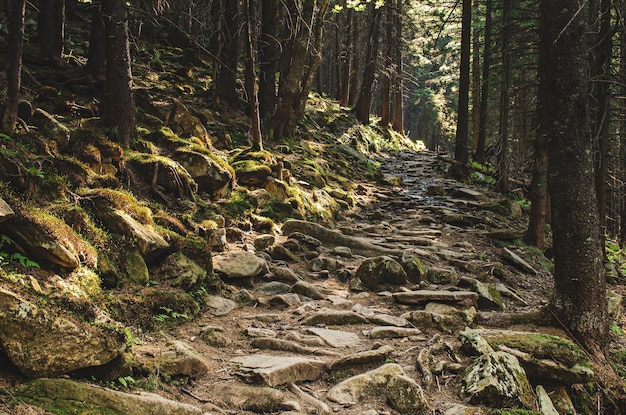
[616, 329]
[16, 257]
[167, 314]
[126, 381]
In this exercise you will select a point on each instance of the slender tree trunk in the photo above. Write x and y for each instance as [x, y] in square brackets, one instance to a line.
[484, 93]
[385, 90]
[348, 53]
[362, 106]
[289, 87]
[622, 130]
[579, 300]
[315, 58]
[397, 105]
[535, 234]
[475, 75]
[251, 82]
[600, 125]
[503, 156]
[226, 82]
[97, 45]
[269, 53]
[14, 65]
[461, 149]
[119, 105]
[51, 28]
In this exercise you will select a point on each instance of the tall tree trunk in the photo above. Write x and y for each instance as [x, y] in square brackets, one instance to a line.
[283, 121]
[579, 300]
[119, 105]
[385, 90]
[502, 183]
[348, 53]
[97, 45]
[461, 150]
[51, 28]
[622, 131]
[226, 82]
[315, 58]
[362, 106]
[251, 82]
[536, 232]
[269, 53]
[475, 75]
[14, 65]
[601, 75]
[484, 93]
[397, 104]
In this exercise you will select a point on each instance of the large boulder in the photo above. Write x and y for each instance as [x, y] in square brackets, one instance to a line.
[5, 211]
[211, 176]
[497, 380]
[380, 271]
[64, 396]
[238, 264]
[49, 342]
[371, 383]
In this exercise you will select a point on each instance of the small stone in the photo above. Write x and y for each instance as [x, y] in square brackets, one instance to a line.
[260, 332]
[308, 290]
[371, 383]
[220, 306]
[278, 370]
[406, 396]
[389, 332]
[336, 338]
[334, 318]
[238, 264]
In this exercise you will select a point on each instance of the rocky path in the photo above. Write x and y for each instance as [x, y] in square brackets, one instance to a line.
[365, 316]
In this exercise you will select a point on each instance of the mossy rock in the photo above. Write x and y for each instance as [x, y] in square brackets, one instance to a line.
[251, 173]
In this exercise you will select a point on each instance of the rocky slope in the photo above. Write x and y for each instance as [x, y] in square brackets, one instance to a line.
[336, 272]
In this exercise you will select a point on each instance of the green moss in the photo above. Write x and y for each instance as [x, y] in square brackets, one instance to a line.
[119, 199]
[239, 203]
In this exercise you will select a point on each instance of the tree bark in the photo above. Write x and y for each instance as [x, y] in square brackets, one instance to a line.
[397, 102]
[348, 59]
[51, 29]
[269, 53]
[475, 75]
[539, 199]
[226, 82]
[502, 183]
[484, 92]
[14, 65]
[97, 45]
[251, 82]
[385, 90]
[363, 103]
[461, 149]
[119, 104]
[579, 300]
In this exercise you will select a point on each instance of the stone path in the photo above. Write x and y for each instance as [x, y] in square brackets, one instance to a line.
[306, 336]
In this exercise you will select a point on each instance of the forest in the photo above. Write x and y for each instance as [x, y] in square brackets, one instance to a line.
[313, 206]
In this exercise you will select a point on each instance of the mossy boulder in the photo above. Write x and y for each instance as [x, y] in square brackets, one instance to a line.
[211, 175]
[251, 173]
[379, 271]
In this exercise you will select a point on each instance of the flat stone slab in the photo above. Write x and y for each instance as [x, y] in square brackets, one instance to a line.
[421, 297]
[238, 264]
[220, 306]
[336, 338]
[372, 383]
[278, 370]
[363, 358]
[387, 320]
[389, 332]
[334, 318]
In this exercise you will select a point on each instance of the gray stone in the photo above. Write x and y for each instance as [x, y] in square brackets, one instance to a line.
[342, 251]
[273, 288]
[336, 338]
[211, 176]
[497, 380]
[50, 127]
[545, 403]
[149, 242]
[615, 305]
[308, 290]
[489, 297]
[220, 306]
[442, 276]
[442, 317]
[389, 332]
[250, 398]
[285, 274]
[278, 370]
[515, 259]
[83, 398]
[371, 383]
[241, 264]
[387, 320]
[561, 400]
[264, 241]
[379, 271]
[54, 349]
[458, 409]
[543, 356]
[421, 297]
[260, 332]
[406, 396]
[474, 344]
[270, 343]
[5, 211]
[413, 267]
[175, 359]
[181, 271]
[332, 317]
[367, 357]
[470, 194]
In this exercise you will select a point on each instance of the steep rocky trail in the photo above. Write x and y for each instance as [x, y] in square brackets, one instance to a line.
[302, 326]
